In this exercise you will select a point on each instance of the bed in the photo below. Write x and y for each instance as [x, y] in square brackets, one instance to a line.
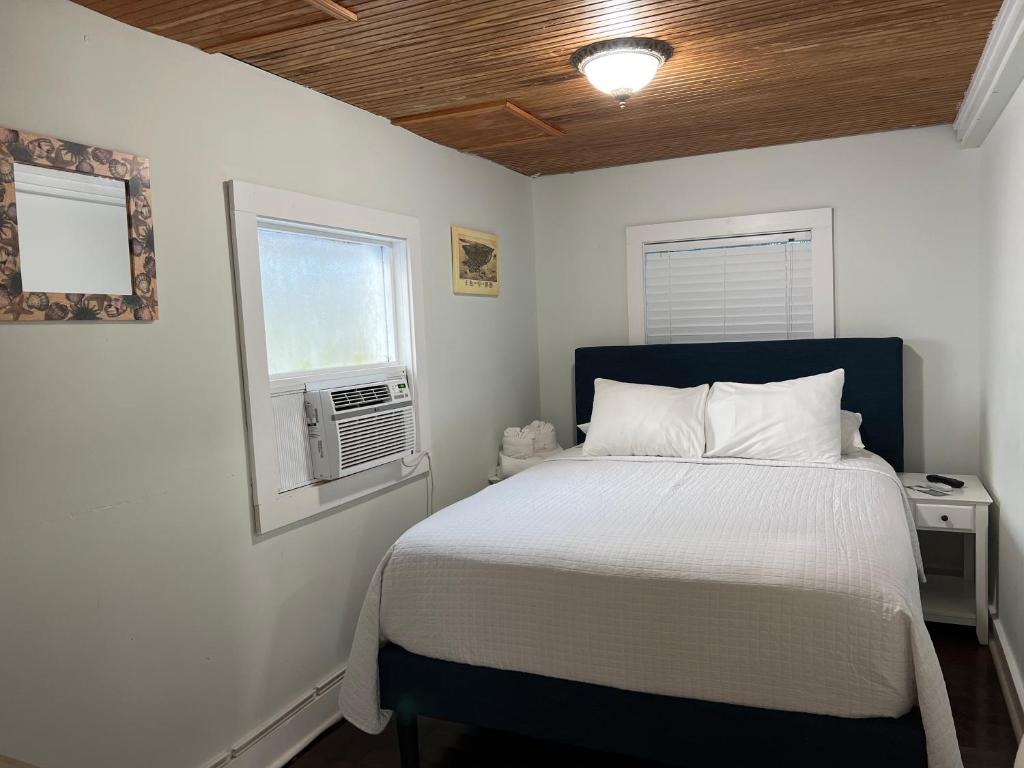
[697, 612]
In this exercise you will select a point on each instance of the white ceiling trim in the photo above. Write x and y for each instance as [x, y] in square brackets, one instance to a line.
[999, 72]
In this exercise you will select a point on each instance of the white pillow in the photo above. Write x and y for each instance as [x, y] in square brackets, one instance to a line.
[796, 420]
[850, 424]
[645, 420]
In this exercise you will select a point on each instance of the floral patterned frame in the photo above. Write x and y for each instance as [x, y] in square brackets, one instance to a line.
[133, 170]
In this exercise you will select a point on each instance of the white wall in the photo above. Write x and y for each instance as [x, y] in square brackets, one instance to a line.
[140, 623]
[907, 259]
[1003, 371]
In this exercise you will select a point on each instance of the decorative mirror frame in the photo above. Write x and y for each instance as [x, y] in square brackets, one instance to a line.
[133, 171]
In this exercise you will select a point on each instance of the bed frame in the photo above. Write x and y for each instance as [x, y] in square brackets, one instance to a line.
[675, 730]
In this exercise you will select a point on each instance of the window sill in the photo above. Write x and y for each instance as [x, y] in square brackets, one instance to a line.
[314, 501]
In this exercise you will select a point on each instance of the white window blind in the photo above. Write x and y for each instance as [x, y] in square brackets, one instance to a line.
[729, 289]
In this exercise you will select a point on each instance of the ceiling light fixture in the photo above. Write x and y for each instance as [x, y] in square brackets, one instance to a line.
[623, 66]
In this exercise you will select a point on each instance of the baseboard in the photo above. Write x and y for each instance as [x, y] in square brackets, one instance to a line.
[1009, 673]
[277, 741]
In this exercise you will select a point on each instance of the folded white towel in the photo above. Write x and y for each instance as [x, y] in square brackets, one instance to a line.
[511, 466]
[517, 443]
[543, 435]
[535, 438]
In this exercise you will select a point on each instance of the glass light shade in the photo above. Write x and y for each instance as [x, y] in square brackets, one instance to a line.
[621, 73]
[622, 66]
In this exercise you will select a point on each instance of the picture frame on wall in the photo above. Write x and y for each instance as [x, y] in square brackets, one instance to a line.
[474, 262]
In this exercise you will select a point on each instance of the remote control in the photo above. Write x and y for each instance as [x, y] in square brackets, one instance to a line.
[952, 482]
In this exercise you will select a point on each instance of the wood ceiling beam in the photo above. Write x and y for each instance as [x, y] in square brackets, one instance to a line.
[332, 8]
[191, 18]
[441, 114]
[478, 148]
[533, 120]
[499, 136]
[476, 109]
[223, 46]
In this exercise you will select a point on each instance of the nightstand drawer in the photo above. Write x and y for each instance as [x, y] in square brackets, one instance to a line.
[951, 516]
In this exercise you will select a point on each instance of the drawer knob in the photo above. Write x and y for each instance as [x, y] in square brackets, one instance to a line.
[945, 518]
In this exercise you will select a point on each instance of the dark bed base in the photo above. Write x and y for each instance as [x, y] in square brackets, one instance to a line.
[675, 731]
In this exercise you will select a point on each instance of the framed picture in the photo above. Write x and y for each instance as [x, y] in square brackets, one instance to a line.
[474, 262]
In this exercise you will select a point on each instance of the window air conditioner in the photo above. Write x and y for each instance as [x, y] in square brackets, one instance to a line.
[357, 427]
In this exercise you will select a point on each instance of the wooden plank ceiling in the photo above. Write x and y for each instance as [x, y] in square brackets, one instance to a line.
[746, 73]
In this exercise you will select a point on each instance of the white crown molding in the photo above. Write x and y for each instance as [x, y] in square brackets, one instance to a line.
[999, 72]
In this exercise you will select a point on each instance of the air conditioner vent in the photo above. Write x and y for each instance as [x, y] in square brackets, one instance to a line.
[360, 397]
[376, 436]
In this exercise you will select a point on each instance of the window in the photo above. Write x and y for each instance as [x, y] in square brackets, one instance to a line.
[326, 302]
[744, 278]
[327, 298]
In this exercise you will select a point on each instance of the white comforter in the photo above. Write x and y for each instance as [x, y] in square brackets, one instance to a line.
[768, 584]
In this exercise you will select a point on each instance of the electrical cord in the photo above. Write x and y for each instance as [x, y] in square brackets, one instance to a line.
[430, 478]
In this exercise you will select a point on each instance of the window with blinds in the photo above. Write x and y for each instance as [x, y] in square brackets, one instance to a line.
[729, 289]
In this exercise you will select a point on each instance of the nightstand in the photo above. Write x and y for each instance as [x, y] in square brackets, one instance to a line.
[953, 599]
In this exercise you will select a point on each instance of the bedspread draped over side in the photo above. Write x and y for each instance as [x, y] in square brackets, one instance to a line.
[767, 584]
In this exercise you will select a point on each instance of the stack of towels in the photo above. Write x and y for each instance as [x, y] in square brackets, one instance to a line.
[521, 448]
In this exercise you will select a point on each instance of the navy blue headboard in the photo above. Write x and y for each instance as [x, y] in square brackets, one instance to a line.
[874, 375]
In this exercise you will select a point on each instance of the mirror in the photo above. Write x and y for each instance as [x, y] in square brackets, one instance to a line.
[76, 233]
[88, 251]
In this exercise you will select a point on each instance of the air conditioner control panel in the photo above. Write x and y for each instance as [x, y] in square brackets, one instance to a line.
[399, 391]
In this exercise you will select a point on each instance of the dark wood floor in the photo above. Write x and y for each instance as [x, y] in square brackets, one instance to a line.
[982, 723]
[979, 709]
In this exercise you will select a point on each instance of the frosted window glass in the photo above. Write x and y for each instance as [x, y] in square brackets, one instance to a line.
[324, 302]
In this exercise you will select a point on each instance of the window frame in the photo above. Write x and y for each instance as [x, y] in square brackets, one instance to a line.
[249, 204]
[817, 220]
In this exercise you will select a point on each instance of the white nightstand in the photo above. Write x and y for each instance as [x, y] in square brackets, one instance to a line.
[952, 599]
